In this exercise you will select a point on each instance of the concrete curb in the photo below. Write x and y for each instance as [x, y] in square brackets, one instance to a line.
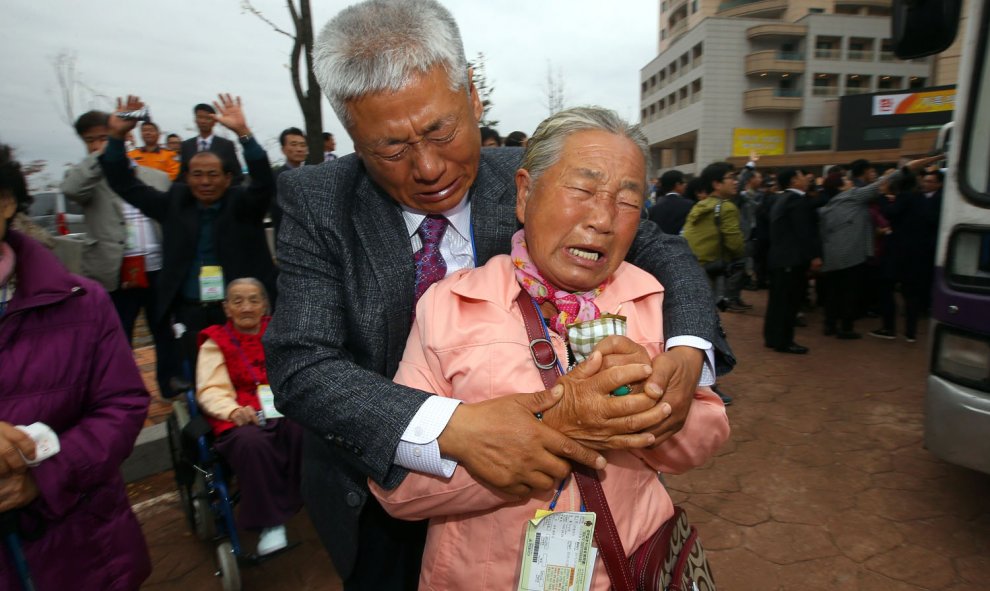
[150, 456]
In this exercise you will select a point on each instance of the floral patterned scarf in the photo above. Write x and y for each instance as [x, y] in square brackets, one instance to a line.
[573, 307]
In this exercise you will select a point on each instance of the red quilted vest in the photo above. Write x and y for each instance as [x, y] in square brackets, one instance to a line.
[239, 350]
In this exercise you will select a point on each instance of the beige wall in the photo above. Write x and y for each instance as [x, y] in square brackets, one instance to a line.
[945, 68]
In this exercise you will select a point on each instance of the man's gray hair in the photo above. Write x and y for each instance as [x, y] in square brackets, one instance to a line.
[547, 144]
[378, 45]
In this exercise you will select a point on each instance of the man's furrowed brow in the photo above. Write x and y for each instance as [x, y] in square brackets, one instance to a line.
[590, 173]
[431, 127]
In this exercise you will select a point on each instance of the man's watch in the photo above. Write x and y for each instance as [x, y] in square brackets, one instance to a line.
[246, 138]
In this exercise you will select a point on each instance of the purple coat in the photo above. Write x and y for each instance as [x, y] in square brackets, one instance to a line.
[64, 361]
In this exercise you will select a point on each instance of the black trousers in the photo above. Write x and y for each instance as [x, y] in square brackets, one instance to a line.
[842, 297]
[913, 290]
[195, 316]
[787, 287]
[390, 552]
[128, 303]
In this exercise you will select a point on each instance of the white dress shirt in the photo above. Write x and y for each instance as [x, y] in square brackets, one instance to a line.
[418, 449]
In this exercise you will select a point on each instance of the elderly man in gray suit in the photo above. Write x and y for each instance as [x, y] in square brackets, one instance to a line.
[363, 236]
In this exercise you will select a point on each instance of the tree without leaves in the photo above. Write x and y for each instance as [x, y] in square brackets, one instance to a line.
[72, 91]
[553, 91]
[309, 99]
[484, 88]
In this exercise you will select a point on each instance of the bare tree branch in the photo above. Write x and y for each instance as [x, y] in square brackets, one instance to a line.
[246, 5]
[309, 96]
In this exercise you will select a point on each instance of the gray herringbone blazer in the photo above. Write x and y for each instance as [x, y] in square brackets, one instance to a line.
[345, 310]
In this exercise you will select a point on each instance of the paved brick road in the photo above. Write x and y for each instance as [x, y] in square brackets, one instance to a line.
[824, 484]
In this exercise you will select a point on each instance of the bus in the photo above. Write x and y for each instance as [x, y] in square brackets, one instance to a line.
[957, 394]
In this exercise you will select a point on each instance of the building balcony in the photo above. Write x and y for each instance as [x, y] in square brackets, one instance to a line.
[825, 91]
[753, 8]
[860, 55]
[859, 3]
[678, 29]
[854, 90]
[773, 99]
[777, 31]
[828, 54]
[774, 62]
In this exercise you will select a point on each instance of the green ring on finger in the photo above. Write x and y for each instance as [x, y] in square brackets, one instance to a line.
[621, 391]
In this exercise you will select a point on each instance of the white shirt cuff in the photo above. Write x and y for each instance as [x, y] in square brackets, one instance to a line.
[418, 449]
[708, 367]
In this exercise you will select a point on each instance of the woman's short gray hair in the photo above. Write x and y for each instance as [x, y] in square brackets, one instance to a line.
[378, 45]
[249, 281]
[547, 143]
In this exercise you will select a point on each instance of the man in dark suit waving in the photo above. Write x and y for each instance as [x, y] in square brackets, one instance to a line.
[353, 237]
[207, 142]
[212, 230]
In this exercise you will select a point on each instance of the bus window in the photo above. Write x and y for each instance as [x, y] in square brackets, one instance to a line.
[969, 259]
[975, 162]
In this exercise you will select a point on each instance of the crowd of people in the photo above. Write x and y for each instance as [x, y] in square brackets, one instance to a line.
[321, 322]
[388, 322]
[856, 237]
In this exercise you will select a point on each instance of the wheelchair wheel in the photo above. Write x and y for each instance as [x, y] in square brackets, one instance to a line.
[204, 522]
[227, 567]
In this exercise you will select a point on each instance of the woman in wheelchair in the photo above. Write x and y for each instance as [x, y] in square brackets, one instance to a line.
[231, 381]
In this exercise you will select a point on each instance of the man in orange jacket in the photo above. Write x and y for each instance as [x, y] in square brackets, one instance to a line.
[152, 155]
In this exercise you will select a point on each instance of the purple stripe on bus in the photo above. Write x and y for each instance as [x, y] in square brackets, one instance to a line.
[973, 307]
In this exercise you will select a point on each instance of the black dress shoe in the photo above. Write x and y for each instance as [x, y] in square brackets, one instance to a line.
[792, 348]
[849, 335]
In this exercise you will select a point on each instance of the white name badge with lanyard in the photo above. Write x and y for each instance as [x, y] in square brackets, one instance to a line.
[267, 398]
[558, 555]
[211, 284]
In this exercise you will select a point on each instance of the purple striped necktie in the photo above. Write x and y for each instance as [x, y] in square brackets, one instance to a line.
[430, 266]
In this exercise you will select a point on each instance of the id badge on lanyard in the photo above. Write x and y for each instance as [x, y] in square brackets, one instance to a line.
[557, 553]
[211, 284]
[267, 399]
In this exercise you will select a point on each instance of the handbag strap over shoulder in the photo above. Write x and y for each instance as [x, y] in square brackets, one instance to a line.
[718, 229]
[606, 533]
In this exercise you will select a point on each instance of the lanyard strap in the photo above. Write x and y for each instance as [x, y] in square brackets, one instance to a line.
[606, 533]
[244, 358]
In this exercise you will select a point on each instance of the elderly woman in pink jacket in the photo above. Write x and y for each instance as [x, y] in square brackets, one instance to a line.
[580, 191]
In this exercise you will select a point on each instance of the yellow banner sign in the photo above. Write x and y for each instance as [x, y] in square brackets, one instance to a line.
[765, 142]
[914, 102]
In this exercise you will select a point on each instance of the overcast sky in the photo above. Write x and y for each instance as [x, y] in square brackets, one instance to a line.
[177, 53]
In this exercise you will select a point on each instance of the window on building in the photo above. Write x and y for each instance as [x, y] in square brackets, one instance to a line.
[890, 83]
[812, 138]
[787, 87]
[696, 91]
[694, 6]
[860, 49]
[915, 82]
[816, 11]
[663, 34]
[825, 85]
[827, 48]
[858, 84]
[887, 51]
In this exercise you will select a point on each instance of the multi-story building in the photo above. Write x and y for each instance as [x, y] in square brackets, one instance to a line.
[764, 75]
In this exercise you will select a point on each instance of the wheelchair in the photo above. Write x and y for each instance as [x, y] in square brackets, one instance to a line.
[204, 483]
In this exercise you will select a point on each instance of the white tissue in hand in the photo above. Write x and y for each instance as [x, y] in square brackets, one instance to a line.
[45, 442]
